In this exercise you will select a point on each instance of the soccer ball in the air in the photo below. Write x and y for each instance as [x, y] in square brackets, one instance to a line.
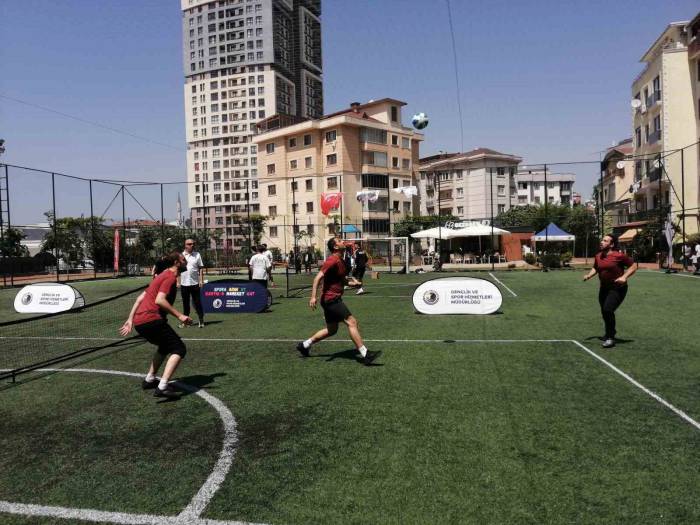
[420, 121]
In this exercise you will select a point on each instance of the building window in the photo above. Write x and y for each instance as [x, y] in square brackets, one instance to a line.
[376, 158]
[293, 142]
[270, 147]
[395, 162]
[272, 210]
[331, 160]
[460, 192]
[332, 183]
[307, 162]
[309, 185]
[406, 164]
[273, 231]
[460, 210]
[375, 136]
[405, 142]
[292, 164]
[307, 140]
[309, 207]
[501, 208]
[331, 136]
[270, 169]
[501, 190]
[271, 190]
[394, 114]
[394, 140]
[295, 186]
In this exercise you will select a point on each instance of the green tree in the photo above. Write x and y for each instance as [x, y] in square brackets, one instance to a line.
[583, 224]
[415, 223]
[65, 237]
[11, 244]
[517, 216]
[255, 224]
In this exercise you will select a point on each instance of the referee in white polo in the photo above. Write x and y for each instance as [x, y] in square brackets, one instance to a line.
[191, 282]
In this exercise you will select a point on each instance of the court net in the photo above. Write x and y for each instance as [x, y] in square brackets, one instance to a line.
[32, 343]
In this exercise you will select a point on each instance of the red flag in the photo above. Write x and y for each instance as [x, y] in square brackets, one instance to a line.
[330, 201]
[116, 250]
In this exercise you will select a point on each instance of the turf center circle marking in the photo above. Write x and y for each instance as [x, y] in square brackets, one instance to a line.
[193, 510]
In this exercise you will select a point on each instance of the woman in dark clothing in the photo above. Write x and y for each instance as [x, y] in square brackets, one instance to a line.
[613, 268]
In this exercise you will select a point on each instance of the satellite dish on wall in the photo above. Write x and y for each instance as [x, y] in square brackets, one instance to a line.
[657, 163]
[620, 165]
[636, 103]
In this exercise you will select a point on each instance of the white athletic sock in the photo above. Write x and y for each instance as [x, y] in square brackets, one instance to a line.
[308, 343]
[162, 385]
[363, 350]
[150, 378]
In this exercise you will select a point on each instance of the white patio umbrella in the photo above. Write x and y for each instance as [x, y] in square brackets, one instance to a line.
[432, 233]
[476, 230]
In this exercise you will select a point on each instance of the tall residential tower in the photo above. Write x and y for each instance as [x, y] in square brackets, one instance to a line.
[244, 60]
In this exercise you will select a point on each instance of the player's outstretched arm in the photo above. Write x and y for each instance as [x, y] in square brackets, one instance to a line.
[314, 289]
[129, 323]
[162, 302]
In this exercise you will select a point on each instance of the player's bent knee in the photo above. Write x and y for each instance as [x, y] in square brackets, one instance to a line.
[180, 350]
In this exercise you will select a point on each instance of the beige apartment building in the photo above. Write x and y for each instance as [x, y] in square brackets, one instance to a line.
[618, 181]
[472, 185]
[665, 121]
[365, 148]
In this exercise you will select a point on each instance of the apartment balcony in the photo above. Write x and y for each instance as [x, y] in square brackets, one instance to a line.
[654, 175]
[647, 215]
[655, 137]
[652, 99]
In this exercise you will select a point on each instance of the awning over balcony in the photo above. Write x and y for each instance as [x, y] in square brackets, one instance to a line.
[629, 235]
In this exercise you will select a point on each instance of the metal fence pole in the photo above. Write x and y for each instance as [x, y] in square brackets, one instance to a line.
[388, 212]
[492, 250]
[123, 240]
[55, 226]
[92, 234]
[162, 222]
[683, 202]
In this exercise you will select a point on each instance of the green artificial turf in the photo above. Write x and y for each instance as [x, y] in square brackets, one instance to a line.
[436, 432]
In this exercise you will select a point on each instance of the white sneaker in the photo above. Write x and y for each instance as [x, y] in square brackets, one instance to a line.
[360, 291]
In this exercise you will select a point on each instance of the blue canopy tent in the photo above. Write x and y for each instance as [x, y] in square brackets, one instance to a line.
[553, 233]
[350, 228]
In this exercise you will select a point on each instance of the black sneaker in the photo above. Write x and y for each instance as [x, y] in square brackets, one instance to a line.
[148, 385]
[370, 357]
[302, 350]
[168, 392]
[609, 343]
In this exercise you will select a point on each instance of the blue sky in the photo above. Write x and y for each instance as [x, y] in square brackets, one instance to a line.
[547, 80]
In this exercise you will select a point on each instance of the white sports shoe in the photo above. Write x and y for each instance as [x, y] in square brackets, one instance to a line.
[360, 291]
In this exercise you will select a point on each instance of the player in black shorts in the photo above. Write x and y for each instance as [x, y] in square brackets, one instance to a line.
[333, 275]
[360, 267]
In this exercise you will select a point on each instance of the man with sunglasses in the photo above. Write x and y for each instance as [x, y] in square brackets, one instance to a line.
[191, 281]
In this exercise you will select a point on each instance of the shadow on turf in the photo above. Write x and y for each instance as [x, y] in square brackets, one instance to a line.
[351, 354]
[198, 382]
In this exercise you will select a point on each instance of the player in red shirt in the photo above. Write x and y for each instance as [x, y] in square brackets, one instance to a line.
[613, 268]
[148, 316]
[333, 276]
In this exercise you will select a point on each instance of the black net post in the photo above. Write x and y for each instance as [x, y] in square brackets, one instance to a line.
[683, 201]
[388, 213]
[546, 220]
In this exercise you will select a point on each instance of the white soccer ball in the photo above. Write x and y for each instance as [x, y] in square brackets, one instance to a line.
[420, 121]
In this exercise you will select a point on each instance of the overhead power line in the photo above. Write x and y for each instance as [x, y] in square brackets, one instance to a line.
[91, 123]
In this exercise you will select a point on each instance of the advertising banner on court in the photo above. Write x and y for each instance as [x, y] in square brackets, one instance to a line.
[457, 295]
[234, 297]
[47, 298]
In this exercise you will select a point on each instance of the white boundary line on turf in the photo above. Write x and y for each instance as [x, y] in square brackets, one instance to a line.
[334, 340]
[504, 286]
[650, 393]
[191, 514]
[658, 272]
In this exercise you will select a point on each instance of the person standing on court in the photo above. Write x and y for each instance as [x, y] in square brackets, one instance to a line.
[360, 267]
[191, 282]
[613, 268]
[149, 316]
[259, 267]
[268, 253]
[332, 279]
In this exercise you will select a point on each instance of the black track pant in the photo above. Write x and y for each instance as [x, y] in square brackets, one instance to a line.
[191, 291]
[610, 299]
